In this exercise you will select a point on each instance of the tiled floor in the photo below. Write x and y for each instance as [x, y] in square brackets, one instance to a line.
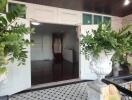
[54, 71]
[76, 91]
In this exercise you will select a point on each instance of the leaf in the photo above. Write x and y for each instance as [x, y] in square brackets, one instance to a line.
[3, 21]
[124, 29]
[2, 70]
[106, 39]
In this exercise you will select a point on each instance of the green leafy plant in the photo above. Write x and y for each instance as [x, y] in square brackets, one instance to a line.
[2, 5]
[123, 60]
[12, 42]
[104, 38]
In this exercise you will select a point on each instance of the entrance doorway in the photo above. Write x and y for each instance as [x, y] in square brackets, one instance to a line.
[55, 53]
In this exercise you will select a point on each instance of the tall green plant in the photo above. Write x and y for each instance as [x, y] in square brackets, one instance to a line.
[12, 42]
[104, 38]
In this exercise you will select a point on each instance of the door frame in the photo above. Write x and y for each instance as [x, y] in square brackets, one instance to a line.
[52, 47]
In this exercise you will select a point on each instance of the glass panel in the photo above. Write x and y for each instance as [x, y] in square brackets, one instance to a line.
[11, 5]
[97, 19]
[106, 19]
[87, 19]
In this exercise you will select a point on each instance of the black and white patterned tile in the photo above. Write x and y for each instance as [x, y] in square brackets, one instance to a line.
[76, 91]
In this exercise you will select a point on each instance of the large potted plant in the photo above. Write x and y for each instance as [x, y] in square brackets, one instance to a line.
[102, 44]
[12, 39]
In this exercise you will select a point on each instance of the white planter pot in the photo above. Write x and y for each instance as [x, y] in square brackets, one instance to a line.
[3, 77]
[102, 65]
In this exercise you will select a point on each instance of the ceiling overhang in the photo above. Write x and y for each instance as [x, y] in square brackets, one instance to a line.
[110, 7]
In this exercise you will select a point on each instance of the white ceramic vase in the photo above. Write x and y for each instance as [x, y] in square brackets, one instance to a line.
[102, 65]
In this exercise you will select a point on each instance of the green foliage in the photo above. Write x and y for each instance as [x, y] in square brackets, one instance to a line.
[3, 70]
[12, 42]
[2, 5]
[106, 39]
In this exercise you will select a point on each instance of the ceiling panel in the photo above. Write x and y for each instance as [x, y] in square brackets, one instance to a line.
[111, 7]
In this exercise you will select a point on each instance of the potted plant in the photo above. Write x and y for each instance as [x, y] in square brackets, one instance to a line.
[102, 44]
[12, 39]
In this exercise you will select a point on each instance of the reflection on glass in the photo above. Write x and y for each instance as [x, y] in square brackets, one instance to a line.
[87, 19]
[97, 19]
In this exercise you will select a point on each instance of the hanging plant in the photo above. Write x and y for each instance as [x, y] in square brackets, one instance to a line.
[12, 41]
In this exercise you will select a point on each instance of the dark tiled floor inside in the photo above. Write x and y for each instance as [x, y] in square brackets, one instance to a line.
[49, 71]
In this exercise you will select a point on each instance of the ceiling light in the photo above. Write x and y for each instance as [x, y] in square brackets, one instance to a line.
[127, 2]
[35, 23]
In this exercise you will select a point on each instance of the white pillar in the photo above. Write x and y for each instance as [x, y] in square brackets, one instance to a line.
[96, 90]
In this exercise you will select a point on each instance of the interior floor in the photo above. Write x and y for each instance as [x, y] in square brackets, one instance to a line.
[49, 71]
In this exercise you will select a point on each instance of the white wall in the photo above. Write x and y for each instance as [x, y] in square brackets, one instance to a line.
[127, 20]
[71, 46]
[42, 48]
[116, 23]
[37, 47]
